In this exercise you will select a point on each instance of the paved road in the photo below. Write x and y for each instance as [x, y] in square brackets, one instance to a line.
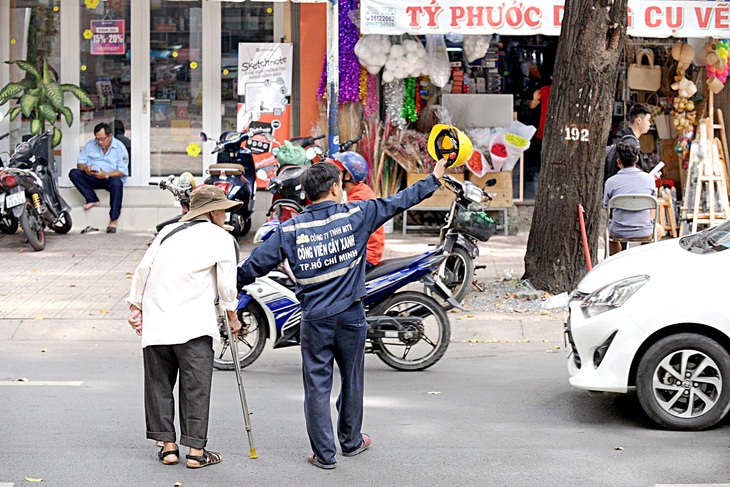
[488, 414]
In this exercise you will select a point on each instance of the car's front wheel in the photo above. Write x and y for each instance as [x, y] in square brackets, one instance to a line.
[681, 382]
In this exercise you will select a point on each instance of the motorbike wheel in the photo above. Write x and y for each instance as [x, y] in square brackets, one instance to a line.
[251, 339]
[8, 224]
[246, 227]
[32, 225]
[241, 231]
[63, 225]
[428, 340]
[457, 273]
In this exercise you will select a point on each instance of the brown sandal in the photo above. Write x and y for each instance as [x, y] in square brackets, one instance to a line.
[164, 454]
[207, 458]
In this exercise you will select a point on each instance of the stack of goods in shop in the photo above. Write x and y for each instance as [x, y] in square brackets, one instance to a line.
[684, 112]
[718, 68]
[457, 80]
[491, 62]
[499, 149]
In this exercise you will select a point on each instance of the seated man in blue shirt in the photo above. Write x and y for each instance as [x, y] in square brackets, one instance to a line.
[629, 180]
[102, 164]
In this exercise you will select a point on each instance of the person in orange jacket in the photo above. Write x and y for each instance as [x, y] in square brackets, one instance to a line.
[355, 171]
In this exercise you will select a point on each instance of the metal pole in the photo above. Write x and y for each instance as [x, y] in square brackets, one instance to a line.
[223, 316]
[333, 74]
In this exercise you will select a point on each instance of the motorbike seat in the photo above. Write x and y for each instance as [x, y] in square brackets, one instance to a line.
[228, 167]
[388, 266]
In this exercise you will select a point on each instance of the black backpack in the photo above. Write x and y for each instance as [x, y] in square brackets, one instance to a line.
[612, 157]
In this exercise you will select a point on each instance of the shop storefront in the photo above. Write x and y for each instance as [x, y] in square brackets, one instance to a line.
[163, 69]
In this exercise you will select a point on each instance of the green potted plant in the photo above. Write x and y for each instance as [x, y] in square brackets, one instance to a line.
[39, 96]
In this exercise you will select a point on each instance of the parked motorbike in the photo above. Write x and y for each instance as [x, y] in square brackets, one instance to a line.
[8, 221]
[289, 199]
[235, 173]
[466, 224]
[180, 187]
[406, 330]
[31, 190]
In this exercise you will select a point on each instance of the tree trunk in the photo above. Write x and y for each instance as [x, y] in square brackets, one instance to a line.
[573, 153]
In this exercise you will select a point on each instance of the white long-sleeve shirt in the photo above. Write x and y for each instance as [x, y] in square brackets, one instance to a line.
[176, 284]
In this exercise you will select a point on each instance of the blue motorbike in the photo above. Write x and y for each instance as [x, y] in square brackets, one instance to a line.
[407, 330]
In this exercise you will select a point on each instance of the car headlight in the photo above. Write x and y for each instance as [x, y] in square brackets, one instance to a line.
[612, 296]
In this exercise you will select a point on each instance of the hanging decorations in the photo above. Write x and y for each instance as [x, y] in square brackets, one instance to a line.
[363, 87]
[349, 72]
[372, 102]
[91, 4]
[372, 52]
[718, 68]
[322, 88]
[409, 111]
[349, 65]
[394, 103]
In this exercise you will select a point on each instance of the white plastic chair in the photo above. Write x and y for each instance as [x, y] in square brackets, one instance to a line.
[631, 202]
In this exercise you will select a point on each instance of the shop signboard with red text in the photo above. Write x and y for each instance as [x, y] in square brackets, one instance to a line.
[646, 18]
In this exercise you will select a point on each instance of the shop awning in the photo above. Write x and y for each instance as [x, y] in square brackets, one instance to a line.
[647, 18]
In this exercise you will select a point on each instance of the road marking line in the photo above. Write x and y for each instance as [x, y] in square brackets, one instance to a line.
[685, 485]
[6, 484]
[40, 383]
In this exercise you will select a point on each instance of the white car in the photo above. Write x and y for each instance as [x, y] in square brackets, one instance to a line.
[654, 318]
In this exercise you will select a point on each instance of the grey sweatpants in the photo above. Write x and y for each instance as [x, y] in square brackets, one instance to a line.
[194, 362]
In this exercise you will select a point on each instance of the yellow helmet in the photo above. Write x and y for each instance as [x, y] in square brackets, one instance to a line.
[450, 143]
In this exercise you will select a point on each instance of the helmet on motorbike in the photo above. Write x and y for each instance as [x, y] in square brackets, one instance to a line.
[291, 155]
[450, 143]
[355, 165]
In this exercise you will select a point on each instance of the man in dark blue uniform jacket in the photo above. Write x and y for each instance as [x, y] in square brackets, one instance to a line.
[326, 249]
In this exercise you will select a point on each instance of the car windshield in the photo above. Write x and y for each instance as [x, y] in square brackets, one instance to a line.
[713, 239]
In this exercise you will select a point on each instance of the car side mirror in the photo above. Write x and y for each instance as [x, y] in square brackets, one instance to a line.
[261, 174]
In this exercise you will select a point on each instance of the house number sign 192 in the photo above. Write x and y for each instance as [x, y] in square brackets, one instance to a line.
[575, 134]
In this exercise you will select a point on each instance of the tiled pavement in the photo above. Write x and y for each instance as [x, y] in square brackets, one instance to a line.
[76, 287]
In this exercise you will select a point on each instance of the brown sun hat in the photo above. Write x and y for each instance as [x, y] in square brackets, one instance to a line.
[208, 198]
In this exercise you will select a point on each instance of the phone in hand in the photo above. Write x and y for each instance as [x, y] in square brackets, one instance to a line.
[657, 168]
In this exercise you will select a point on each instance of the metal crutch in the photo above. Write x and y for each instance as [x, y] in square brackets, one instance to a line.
[234, 353]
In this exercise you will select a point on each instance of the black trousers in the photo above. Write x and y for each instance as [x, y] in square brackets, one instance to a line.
[194, 363]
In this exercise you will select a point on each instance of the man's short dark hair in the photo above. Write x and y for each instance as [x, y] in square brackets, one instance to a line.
[637, 111]
[628, 151]
[318, 179]
[102, 125]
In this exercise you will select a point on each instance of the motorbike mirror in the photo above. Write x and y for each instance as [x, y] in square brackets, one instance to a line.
[203, 137]
[275, 151]
[311, 153]
[490, 183]
[261, 174]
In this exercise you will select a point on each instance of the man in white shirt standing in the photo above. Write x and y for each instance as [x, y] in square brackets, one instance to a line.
[174, 288]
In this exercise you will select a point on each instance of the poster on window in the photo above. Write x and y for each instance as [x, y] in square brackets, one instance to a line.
[646, 18]
[264, 82]
[107, 37]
